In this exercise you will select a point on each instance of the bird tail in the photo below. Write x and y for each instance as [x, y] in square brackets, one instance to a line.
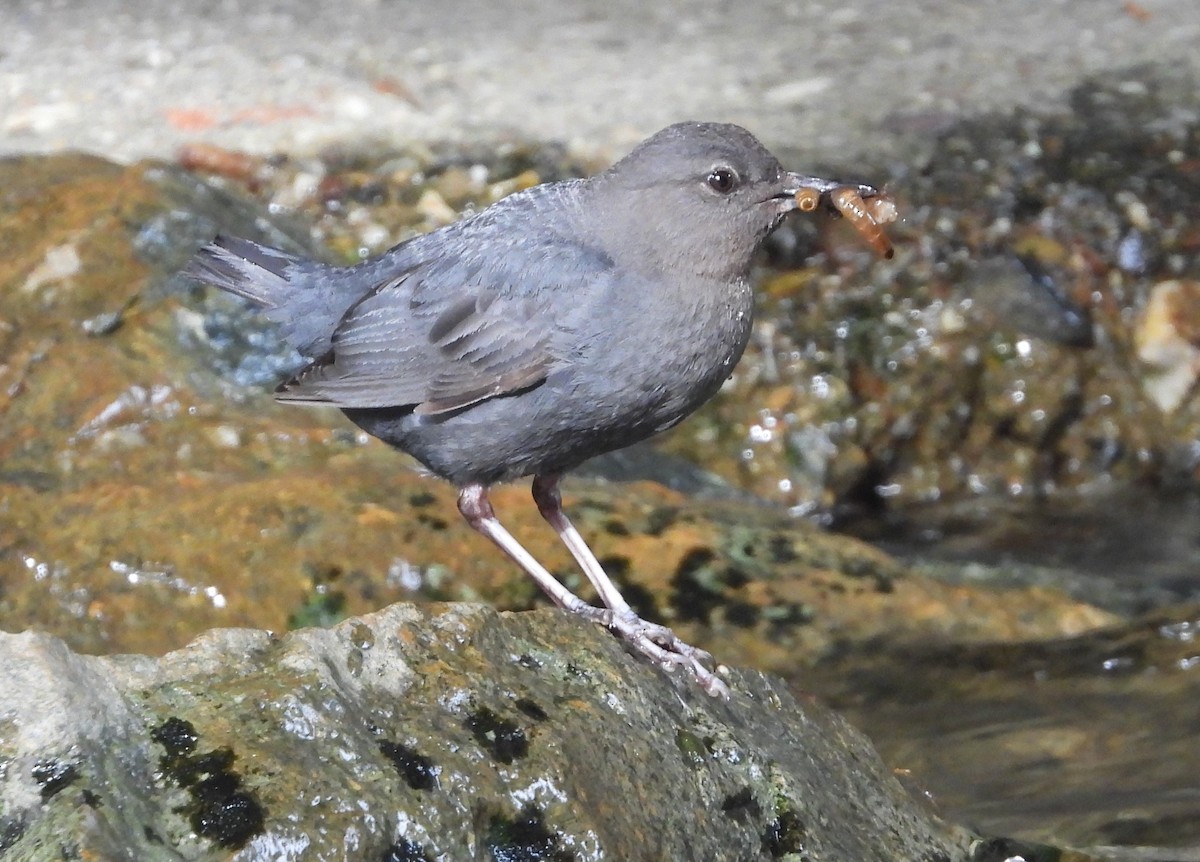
[257, 272]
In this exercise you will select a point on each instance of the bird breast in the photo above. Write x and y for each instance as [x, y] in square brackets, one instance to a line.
[671, 355]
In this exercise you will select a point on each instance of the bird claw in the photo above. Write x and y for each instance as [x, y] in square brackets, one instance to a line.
[664, 648]
[657, 643]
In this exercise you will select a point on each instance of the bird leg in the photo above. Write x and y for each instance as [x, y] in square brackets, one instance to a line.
[477, 509]
[658, 643]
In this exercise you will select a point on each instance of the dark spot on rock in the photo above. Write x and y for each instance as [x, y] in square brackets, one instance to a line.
[616, 566]
[781, 549]
[531, 709]
[787, 616]
[220, 810]
[501, 738]
[53, 775]
[216, 787]
[525, 839]
[859, 568]
[90, 799]
[615, 528]
[643, 602]
[191, 770]
[785, 834]
[884, 584]
[734, 577]
[659, 519]
[405, 851]
[693, 561]
[151, 836]
[229, 820]
[421, 499]
[417, 770]
[692, 599]
[742, 614]
[591, 504]
[11, 830]
[433, 522]
[528, 661]
[742, 805]
[177, 736]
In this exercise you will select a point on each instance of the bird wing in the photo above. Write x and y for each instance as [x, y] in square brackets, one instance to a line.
[440, 337]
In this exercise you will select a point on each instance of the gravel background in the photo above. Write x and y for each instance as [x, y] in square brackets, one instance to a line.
[834, 78]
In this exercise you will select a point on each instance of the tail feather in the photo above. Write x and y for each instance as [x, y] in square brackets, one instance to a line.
[245, 268]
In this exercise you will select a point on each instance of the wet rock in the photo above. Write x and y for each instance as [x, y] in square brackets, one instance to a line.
[457, 731]
[1168, 340]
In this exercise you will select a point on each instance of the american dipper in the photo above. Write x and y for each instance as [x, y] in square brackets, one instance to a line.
[566, 320]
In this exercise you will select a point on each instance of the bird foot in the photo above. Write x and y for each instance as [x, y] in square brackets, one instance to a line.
[663, 647]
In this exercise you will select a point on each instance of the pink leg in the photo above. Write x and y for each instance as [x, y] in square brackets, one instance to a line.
[656, 642]
[477, 509]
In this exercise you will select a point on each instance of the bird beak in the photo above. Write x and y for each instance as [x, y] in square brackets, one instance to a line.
[796, 187]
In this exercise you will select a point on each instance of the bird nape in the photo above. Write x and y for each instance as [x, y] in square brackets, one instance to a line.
[563, 321]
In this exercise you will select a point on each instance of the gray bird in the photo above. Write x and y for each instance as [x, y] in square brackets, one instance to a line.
[564, 321]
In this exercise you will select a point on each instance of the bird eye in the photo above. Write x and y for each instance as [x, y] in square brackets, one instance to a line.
[723, 180]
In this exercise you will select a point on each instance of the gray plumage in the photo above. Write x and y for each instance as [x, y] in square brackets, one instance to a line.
[564, 321]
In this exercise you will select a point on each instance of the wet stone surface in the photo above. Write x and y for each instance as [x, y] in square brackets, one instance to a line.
[463, 734]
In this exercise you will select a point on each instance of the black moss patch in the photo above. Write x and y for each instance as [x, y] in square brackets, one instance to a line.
[643, 602]
[742, 614]
[405, 851]
[504, 740]
[692, 599]
[525, 838]
[531, 709]
[219, 810]
[228, 817]
[616, 566]
[785, 834]
[53, 775]
[191, 770]
[781, 549]
[417, 770]
[787, 616]
[615, 528]
[433, 522]
[660, 519]
[177, 736]
[421, 499]
[742, 805]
